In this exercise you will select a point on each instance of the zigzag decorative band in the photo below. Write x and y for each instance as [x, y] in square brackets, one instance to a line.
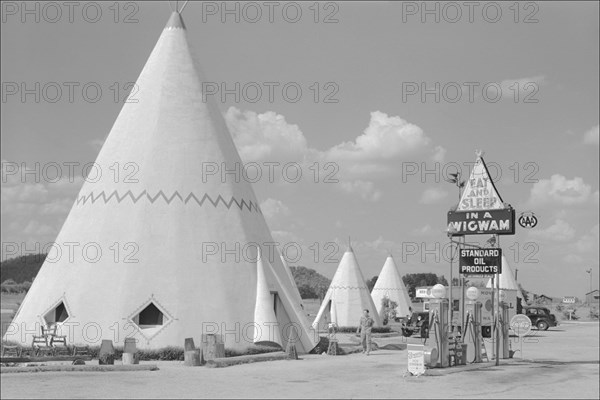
[249, 205]
[349, 287]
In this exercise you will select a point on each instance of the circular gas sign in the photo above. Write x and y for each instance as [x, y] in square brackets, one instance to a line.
[472, 293]
[438, 291]
[520, 324]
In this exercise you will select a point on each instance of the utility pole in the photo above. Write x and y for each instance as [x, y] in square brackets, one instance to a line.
[589, 271]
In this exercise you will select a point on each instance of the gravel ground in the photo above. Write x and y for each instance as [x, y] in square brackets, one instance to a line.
[559, 363]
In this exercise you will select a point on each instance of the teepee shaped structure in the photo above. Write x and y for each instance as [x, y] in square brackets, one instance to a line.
[348, 295]
[165, 251]
[507, 278]
[389, 285]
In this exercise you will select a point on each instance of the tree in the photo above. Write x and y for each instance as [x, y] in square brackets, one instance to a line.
[371, 283]
[306, 292]
[389, 309]
[23, 268]
[313, 284]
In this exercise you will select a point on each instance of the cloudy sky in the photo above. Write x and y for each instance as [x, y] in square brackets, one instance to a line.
[392, 100]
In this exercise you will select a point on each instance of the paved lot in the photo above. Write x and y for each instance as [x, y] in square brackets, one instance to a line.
[559, 363]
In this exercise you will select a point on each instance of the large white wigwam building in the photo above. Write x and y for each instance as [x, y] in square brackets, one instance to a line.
[154, 280]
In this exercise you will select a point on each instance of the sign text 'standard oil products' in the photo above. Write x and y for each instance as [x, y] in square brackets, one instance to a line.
[480, 261]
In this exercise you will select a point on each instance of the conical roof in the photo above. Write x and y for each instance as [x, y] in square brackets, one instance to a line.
[348, 295]
[507, 278]
[175, 243]
[389, 284]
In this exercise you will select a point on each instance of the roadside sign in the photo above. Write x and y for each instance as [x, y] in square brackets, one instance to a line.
[481, 210]
[480, 261]
[520, 324]
[416, 359]
[480, 193]
[485, 222]
[569, 299]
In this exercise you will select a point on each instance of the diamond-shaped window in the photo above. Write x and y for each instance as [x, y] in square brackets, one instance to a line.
[57, 314]
[149, 317]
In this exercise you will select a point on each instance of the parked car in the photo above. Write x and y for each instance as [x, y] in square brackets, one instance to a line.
[417, 323]
[540, 317]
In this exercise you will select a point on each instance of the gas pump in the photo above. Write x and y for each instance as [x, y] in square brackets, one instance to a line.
[472, 329]
[438, 325]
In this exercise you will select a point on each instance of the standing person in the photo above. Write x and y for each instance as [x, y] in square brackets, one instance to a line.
[364, 328]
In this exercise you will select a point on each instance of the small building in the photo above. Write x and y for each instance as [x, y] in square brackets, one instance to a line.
[592, 297]
[543, 299]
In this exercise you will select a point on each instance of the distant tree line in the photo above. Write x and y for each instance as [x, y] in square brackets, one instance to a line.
[16, 275]
[311, 284]
[10, 286]
[21, 269]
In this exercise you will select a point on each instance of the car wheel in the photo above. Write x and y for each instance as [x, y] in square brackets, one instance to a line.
[542, 325]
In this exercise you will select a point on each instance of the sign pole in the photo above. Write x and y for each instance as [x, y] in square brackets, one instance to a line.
[462, 288]
[498, 310]
[493, 314]
[450, 308]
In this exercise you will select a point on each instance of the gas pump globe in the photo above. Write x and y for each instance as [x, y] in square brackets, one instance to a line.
[472, 329]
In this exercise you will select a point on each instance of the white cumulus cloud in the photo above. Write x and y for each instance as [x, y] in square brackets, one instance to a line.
[272, 207]
[266, 136]
[560, 231]
[560, 190]
[366, 190]
[521, 88]
[385, 137]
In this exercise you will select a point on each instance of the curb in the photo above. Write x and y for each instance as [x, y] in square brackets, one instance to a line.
[79, 368]
[229, 361]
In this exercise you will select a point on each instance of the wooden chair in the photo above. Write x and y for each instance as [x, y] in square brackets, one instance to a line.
[59, 344]
[49, 331]
[40, 346]
[81, 350]
[11, 351]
